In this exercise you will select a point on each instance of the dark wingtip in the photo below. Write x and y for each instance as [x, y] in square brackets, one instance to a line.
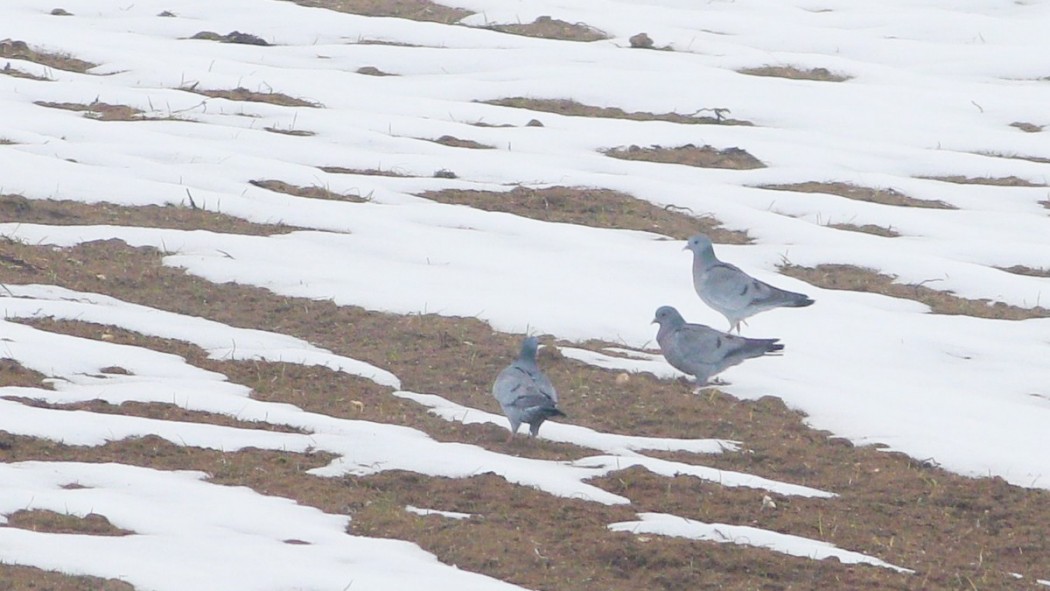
[775, 347]
[554, 412]
[805, 301]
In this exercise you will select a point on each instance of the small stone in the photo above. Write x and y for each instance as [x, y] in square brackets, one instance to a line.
[641, 41]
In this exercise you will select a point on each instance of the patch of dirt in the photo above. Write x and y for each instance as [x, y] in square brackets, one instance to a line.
[572, 108]
[16, 73]
[98, 110]
[364, 171]
[952, 530]
[314, 192]
[1027, 127]
[418, 10]
[1039, 159]
[20, 50]
[1023, 270]
[599, 208]
[232, 37]
[373, 71]
[149, 410]
[18, 578]
[15, 374]
[850, 191]
[75, 213]
[546, 27]
[867, 229]
[1008, 181]
[853, 278]
[690, 155]
[290, 131]
[455, 142]
[243, 94]
[794, 73]
[42, 520]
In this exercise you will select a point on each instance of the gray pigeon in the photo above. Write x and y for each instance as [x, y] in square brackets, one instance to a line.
[732, 292]
[524, 392]
[702, 351]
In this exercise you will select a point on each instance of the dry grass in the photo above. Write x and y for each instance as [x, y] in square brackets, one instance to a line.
[42, 520]
[853, 278]
[572, 108]
[952, 530]
[546, 27]
[419, 10]
[314, 192]
[98, 110]
[1023, 270]
[690, 155]
[70, 213]
[20, 50]
[1038, 159]
[16, 73]
[455, 142]
[1027, 127]
[794, 73]
[1008, 181]
[243, 94]
[600, 208]
[867, 229]
[850, 191]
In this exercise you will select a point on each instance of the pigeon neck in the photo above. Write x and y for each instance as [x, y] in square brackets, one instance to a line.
[704, 257]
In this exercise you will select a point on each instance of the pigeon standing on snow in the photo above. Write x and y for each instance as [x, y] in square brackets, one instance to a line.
[702, 351]
[524, 392]
[732, 292]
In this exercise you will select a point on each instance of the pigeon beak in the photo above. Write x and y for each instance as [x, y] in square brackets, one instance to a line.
[686, 247]
[655, 321]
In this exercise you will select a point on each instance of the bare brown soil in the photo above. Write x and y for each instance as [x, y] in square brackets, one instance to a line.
[546, 27]
[20, 50]
[290, 131]
[601, 208]
[853, 278]
[570, 107]
[793, 73]
[850, 191]
[373, 71]
[98, 110]
[364, 171]
[42, 520]
[232, 37]
[243, 94]
[1029, 271]
[67, 213]
[419, 10]
[690, 155]
[1027, 127]
[19, 578]
[455, 142]
[314, 192]
[867, 229]
[954, 531]
[1007, 181]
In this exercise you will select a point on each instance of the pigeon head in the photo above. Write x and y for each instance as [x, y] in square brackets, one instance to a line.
[667, 316]
[700, 245]
[529, 346]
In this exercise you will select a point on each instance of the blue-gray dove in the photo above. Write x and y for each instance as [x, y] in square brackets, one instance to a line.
[524, 392]
[732, 292]
[702, 351]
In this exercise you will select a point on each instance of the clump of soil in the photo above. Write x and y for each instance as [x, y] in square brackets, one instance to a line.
[98, 110]
[418, 10]
[42, 520]
[243, 94]
[690, 155]
[13, 49]
[794, 73]
[373, 71]
[1008, 181]
[1027, 127]
[455, 142]
[867, 229]
[7, 70]
[572, 108]
[546, 27]
[850, 191]
[588, 206]
[232, 37]
[314, 192]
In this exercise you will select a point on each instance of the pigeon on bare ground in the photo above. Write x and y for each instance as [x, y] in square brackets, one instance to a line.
[732, 292]
[702, 351]
[524, 392]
